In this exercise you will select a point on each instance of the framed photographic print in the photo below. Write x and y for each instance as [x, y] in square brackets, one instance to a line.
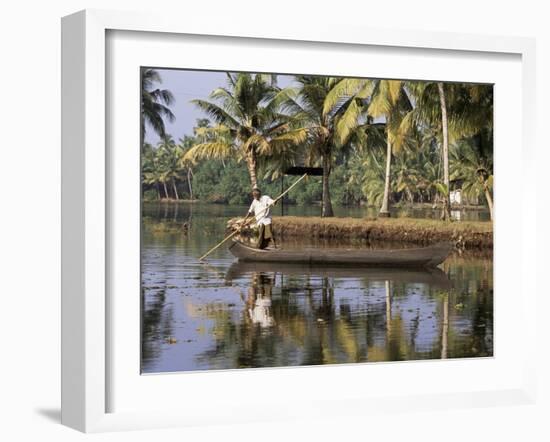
[248, 215]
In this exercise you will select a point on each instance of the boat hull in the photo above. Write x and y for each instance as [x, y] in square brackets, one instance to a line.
[430, 256]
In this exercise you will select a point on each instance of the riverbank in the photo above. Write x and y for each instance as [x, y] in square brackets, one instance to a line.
[466, 235]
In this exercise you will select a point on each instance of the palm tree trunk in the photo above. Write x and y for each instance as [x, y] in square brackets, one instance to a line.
[158, 191]
[445, 153]
[410, 196]
[327, 203]
[189, 173]
[384, 210]
[251, 164]
[165, 189]
[175, 189]
[489, 199]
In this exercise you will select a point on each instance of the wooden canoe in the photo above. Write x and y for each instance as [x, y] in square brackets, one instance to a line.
[430, 256]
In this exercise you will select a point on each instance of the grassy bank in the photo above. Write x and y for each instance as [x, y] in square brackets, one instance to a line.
[467, 235]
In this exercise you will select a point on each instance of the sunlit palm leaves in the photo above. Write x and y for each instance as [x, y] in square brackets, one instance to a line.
[373, 179]
[456, 111]
[250, 124]
[330, 109]
[390, 101]
[474, 168]
[385, 134]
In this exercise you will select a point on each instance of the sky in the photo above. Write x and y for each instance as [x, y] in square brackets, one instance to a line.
[185, 86]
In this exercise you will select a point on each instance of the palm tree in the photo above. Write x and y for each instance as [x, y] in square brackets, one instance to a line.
[152, 170]
[472, 163]
[250, 125]
[330, 109]
[391, 102]
[161, 166]
[445, 151]
[373, 178]
[185, 144]
[154, 103]
[407, 176]
[148, 167]
[457, 111]
[431, 114]
[171, 154]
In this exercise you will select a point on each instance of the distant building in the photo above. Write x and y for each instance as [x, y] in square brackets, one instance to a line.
[456, 196]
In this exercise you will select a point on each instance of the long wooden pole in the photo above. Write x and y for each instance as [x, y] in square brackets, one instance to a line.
[231, 235]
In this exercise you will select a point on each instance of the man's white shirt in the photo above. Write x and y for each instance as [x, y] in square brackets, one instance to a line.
[260, 211]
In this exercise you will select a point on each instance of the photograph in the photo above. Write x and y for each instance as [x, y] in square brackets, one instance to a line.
[295, 220]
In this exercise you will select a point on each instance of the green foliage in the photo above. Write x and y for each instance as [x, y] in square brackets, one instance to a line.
[346, 181]
[149, 195]
[249, 126]
[472, 166]
[155, 103]
[441, 188]
[205, 179]
[259, 130]
[306, 193]
[234, 184]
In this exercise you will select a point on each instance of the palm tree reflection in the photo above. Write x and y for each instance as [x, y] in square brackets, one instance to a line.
[311, 318]
[445, 327]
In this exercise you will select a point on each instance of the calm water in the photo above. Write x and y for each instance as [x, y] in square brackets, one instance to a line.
[228, 315]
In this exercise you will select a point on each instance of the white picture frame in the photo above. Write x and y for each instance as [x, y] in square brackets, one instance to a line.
[86, 352]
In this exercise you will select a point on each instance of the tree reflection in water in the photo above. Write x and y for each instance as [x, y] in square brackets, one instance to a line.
[234, 315]
[286, 319]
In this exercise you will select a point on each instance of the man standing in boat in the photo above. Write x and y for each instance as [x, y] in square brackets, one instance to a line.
[261, 209]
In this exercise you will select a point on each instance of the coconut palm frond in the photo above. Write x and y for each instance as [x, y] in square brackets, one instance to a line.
[344, 89]
[380, 104]
[348, 122]
[216, 150]
[394, 88]
[207, 132]
[291, 138]
[215, 112]
[162, 96]
[257, 143]
[403, 131]
[154, 103]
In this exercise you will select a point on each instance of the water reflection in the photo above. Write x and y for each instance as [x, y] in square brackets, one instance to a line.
[434, 277]
[239, 315]
[258, 301]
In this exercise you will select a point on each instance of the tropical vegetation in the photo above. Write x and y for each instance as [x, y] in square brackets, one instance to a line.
[155, 103]
[378, 142]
